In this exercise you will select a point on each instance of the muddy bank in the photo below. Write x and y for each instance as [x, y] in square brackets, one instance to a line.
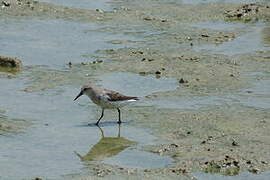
[202, 136]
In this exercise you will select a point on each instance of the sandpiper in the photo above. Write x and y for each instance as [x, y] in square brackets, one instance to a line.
[106, 99]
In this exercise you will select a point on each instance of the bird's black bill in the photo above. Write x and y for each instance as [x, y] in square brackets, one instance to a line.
[81, 93]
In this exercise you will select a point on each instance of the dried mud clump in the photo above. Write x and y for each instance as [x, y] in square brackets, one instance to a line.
[248, 12]
[9, 62]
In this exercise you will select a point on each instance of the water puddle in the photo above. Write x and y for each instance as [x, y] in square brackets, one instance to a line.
[53, 42]
[137, 85]
[242, 176]
[82, 4]
[255, 39]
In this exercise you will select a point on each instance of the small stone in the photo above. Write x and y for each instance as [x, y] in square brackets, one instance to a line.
[38, 178]
[234, 143]
[205, 35]
[147, 19]
[157, 72]
[239, 15]
[5, 3]
[142, 73]
[236, 163]
[174, 145]
[248, 162]
[254, 170]
[182, 81]
[99, 10]
[70, 63]
[264, 162]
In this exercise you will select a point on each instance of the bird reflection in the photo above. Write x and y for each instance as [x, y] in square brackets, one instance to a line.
[106, 147]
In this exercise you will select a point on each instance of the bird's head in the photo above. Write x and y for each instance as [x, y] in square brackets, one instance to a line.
[86, 89]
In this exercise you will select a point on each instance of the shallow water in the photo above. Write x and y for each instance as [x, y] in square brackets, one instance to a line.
[137, 85]
[253, 39]
[37, 42]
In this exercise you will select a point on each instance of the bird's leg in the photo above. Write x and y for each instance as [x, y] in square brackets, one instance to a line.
[119, 129]
[119, 116]
[100, 117]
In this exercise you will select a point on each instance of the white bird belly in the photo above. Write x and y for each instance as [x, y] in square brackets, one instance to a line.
[113, 104]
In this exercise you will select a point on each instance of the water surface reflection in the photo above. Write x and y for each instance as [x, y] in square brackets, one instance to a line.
[106, 147]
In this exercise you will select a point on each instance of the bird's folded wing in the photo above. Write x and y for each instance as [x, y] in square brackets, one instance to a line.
[116, 96]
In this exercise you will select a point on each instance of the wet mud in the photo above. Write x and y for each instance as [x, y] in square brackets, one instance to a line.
[204, 94]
